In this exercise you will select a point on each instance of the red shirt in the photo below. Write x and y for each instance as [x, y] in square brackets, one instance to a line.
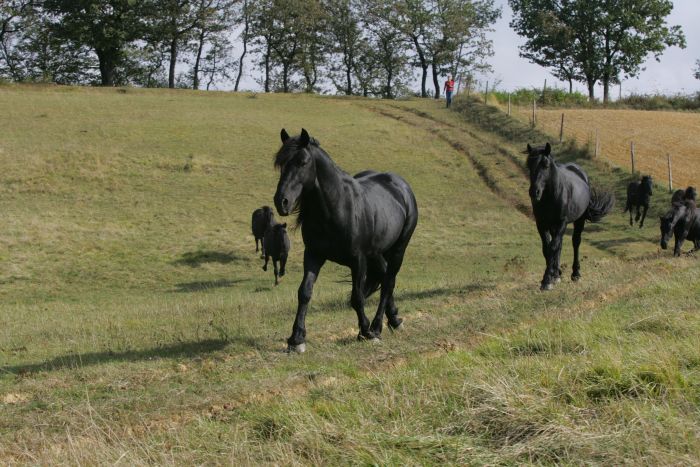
[450, 85]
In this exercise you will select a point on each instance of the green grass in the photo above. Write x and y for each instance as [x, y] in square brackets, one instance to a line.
[137, 327]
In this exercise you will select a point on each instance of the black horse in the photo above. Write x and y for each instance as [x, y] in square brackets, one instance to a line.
[364, 222]
[262, 219]
[277, 247]
[682, 221]
[560, 194]
[638, 196]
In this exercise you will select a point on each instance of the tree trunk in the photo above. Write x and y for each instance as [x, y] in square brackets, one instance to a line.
[423, 65]
[606, 89]
[267, 67]
[348, 77]
[571, 86]
[591, 89]
[436, 81]
[245, 46]
[389, 78]
[285, 77]
[108, 64]
[173, 62]
[197, 60]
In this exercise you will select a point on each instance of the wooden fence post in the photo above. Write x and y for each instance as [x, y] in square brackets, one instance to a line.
[632, 155]
[509, 104]
[597, 145]
[561, 129]
[534, 113]
[670, 174]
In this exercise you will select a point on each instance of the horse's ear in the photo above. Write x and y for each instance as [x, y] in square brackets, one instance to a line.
[304, 139]
[284, 135]
[529, 149]
[284, 226]
[547, 149]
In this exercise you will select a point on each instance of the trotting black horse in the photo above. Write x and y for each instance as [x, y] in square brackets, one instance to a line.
[364, 222]
[560, 194]
[638, 196]
[682, 221]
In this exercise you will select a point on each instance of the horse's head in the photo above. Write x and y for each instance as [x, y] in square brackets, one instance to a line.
[690, 193]
[541, 164]
[268, 215]
[648, 184]
[297, 170]
[668, 223]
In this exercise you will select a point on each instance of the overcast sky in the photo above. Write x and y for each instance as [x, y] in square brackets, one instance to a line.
[672, 74]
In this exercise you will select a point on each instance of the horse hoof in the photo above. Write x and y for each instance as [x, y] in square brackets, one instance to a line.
[398, 327]
[545, 287]
[575, 278]
[557, 280]
[264, 268]
[371, 338]
[299, 348]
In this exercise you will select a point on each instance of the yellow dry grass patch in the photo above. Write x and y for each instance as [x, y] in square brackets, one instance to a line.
[655, 134]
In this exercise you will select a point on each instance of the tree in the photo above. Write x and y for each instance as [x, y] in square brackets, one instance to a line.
[215, 20]
[106, 26]
[345, 36]
[245, 17]
[594, 40]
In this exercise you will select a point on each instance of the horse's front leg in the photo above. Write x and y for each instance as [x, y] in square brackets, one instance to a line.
[312, 266]
[644, 215]
[554, 251]
[357, 298]
[546, 240]
[639, 214]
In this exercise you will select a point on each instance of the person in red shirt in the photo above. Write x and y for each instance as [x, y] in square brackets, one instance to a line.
[449, 88]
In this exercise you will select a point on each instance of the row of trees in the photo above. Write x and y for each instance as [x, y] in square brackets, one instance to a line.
[367, 47]
[594, 41]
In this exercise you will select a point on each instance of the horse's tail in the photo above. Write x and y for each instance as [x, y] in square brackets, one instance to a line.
[373, 280]
[600, 205]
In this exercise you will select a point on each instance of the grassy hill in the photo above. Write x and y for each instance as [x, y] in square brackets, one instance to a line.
[137, 327]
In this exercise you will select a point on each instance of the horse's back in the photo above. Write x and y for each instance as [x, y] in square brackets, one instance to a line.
[577, 170]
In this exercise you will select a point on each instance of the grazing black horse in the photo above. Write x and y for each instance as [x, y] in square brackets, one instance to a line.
[638, 196]
[364, 222]
[560, 194]
[277, 246]
[682, 220]
[262, 219]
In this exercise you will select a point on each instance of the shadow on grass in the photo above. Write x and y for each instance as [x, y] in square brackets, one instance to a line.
[200, 286]
[178, 350]
[195, 259]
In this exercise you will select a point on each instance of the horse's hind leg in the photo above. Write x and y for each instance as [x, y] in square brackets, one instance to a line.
[277, 274]
[256, 245]
[357, 298]
[578, 230]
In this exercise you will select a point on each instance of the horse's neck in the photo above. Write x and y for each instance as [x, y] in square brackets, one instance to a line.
[556, 179]
[329, 189]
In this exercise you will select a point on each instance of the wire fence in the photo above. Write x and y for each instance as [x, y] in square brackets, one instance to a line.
[663, 144]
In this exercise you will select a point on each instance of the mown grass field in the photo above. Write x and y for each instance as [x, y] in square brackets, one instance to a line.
[136, 326]
[655, 134]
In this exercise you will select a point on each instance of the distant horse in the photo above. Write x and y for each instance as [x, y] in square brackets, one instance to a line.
[682, 220]
[262, 219]
[277, 246]
[364, 222]
[638, 196]
[560, 194]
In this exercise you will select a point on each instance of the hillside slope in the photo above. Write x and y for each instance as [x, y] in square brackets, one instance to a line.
[137, 326]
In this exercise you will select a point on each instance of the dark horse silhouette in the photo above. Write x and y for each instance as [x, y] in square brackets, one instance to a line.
[682, 221]
[638, 196]
[364, 222]
[261, 220]
[561, 193]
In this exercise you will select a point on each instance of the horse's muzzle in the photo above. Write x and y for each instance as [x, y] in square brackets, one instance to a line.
[535, 194]
[664, 244]
[282, 205]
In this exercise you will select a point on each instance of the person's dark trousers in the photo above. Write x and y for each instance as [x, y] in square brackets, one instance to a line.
[448, 96]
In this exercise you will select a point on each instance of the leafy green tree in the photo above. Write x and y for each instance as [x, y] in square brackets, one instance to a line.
[105, 26]
[594, 40]
[344, 41]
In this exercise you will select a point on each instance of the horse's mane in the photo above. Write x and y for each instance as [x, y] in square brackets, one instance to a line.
[289, 149]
